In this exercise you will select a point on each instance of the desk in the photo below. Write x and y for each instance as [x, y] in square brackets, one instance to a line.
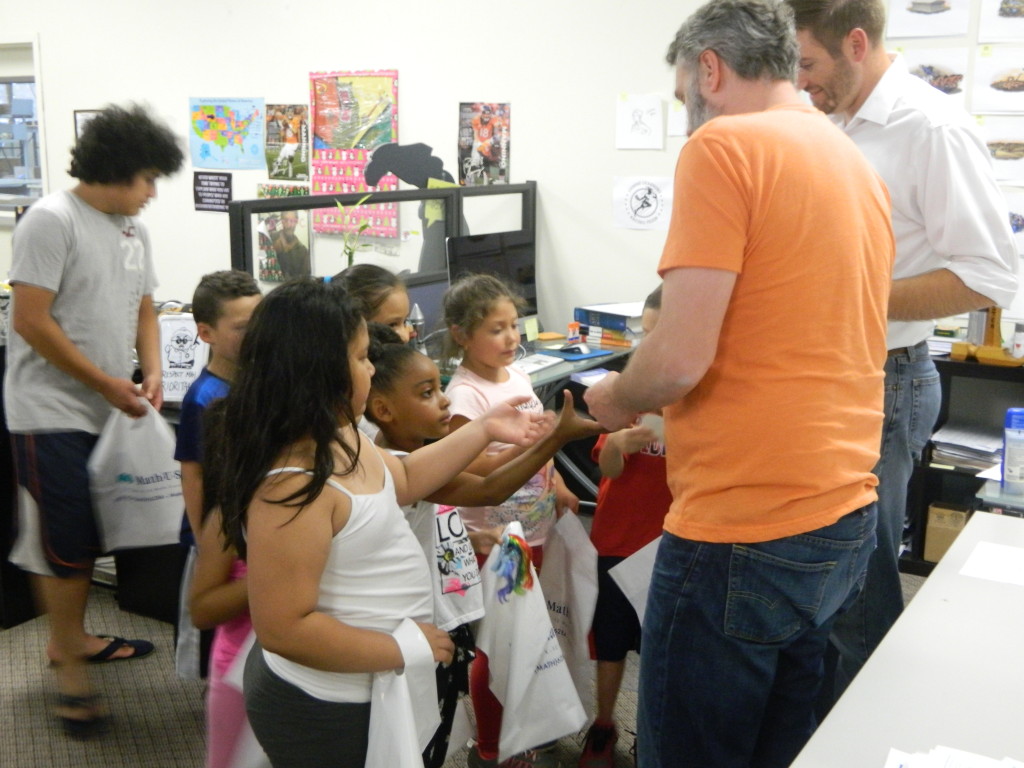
[549, 381]
[949, 672]
[574, 459]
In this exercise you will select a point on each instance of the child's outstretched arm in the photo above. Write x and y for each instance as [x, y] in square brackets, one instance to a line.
[215, 597]
[625, 442]
[287, 554]
[470, 490]
[423, 471]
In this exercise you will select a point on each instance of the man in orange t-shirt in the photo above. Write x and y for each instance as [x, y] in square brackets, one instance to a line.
[768, 362]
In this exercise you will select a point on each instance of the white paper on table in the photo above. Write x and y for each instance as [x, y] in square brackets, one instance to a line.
[995, 562]
[633, 575]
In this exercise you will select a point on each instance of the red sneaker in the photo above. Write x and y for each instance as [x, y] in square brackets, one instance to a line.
[599, 748]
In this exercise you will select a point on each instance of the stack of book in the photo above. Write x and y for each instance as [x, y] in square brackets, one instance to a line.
[616, 325]
[607, 337]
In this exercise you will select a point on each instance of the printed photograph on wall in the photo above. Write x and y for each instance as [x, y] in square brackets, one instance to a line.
[283, 237]
[998, 84]
[485, 141]
[1001, 21]
[1004, 137]
[928, 18]
[226, 134]
[287, 142]
[353, 113]
[942, 68]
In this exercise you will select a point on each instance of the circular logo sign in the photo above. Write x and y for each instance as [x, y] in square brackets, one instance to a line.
[644, 203]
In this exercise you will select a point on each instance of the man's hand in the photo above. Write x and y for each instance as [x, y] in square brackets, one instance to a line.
[505, 424]
[571, 426]
[440, 642]
[124, 395]
[629, 441]
[601, 403]
[153, 390]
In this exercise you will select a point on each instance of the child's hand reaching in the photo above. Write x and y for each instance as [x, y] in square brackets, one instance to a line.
[483, 541]
[631, 440]
[440, 642]
[571, 426]
[505, 424]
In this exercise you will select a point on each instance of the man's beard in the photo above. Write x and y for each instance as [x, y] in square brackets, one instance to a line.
[697, 110]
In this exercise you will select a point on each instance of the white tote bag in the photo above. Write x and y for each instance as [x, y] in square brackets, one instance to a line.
[569, 579]
[135, 482]
[527, 669]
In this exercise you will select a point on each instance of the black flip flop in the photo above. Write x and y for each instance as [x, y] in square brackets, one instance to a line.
[140, 647]
[81, 728]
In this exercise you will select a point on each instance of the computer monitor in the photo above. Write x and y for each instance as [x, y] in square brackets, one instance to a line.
[509, 255]
[426, 289]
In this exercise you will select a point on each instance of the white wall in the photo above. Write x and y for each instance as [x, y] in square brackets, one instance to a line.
[560, 65]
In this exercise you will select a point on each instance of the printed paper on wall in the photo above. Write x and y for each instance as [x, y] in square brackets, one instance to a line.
[639, 122]
[642, 202]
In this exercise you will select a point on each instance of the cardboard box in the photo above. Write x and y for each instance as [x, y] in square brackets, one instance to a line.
[945, 521]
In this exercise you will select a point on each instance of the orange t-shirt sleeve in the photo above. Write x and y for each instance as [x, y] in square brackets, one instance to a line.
[709, 229]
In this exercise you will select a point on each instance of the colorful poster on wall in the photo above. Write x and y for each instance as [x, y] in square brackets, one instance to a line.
[353, 113]
[485, 142]
[226, 133]
[283, 237]
[287, 142]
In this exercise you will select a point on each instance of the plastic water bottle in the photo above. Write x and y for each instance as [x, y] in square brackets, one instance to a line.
[1013, 452]
[419, 324]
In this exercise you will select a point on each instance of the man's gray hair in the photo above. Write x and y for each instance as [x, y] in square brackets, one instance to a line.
[756, 38]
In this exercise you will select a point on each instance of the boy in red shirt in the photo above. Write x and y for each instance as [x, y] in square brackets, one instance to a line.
[632, 500]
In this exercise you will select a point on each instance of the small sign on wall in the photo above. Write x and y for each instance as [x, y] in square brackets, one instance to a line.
[212, 191]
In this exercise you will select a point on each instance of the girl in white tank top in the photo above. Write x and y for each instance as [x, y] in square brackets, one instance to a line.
[338, 585]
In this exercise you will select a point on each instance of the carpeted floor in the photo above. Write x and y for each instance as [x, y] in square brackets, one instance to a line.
[158, 719]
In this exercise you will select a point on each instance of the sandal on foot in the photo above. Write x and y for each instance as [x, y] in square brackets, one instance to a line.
[81, 727]
[139, 648]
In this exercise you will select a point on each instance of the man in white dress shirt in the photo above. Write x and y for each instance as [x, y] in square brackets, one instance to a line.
[954, 253]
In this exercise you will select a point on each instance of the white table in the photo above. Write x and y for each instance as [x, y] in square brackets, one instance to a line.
[950, 671]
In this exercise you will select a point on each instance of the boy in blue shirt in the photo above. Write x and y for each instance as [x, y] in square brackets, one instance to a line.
[222, 304]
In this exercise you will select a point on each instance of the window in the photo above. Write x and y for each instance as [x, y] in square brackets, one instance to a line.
[19, 138]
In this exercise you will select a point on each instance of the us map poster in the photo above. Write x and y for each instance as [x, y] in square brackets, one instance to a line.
[226, 133]
[353, 113]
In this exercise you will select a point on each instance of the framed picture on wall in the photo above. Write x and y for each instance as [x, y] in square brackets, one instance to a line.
[82, 117]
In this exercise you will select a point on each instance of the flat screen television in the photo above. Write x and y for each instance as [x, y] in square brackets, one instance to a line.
[509, 255]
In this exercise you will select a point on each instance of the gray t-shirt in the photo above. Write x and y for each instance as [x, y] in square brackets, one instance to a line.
[99, 266]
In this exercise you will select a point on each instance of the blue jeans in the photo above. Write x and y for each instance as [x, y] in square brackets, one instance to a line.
[912, 399]
[734, 638]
